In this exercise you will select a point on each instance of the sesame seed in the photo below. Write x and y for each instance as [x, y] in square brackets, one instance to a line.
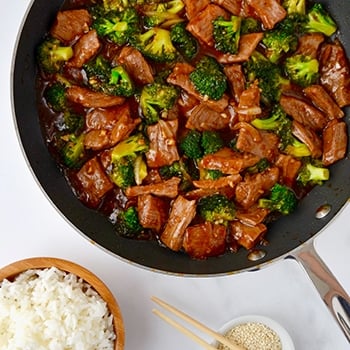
[253, 336]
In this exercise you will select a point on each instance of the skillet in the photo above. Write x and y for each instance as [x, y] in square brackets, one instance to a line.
[284, 236]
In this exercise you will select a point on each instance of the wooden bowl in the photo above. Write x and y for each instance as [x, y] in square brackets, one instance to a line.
[14, 269]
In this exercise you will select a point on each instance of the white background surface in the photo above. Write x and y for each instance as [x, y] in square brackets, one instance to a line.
[30, 226]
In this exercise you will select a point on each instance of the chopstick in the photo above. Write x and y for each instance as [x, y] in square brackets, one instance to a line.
[217, 336]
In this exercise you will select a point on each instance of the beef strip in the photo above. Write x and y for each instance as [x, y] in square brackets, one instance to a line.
[69, 25]
[289, 168]
[104, 118]
[180, 77]
[252, 216]
[201, 27]
[162, 148]
[335, 140]
[303, 112]
[233, 6]
[91, 99]
[222, 182]
[204, 240]
[309, 137]
[202, 117]
[247, 45]
[323, 101]
[194, 7]
[228, 161]
[309, 44]
[181, 214]
[85, 48]
[168, 188]
[93, 183]
[152, 211]
[236, 79]
[262, 144]
[247, 236]
[136, 65]
[254, 186]
[335, 72]
[270, 12]
[249, 103]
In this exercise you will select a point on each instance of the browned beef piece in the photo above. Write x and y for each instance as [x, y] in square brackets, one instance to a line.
[222, 182]
[252, 216]
[335, 73]
[202, 117]
[249, 103]
[97, 139]
[309, 137]
[233, 6]
[85, 48]
[255, 186]
[236, 79]
[247, 44]
[180, 77]
[93, 183]
[303, 112]
[201, 26]
[71, 24]
[262, 144]
[168, 188]
[289, 168]
[228, 161]
[247, 236]
[124, 126]
[323, 101]
[204, 240]
[104, 118]
[181, 214]
[270, 12]
[335, 140]
[162, 148]
[136, 65]
[91, 99]
[309, 44]
[194, 7]
[152, 211]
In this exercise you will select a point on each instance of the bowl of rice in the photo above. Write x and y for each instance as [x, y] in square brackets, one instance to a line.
[50, 303]
[256, 332]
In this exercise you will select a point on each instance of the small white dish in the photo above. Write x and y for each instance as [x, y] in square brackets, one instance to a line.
[286, 340]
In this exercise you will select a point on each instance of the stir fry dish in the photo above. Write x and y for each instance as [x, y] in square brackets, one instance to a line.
[194, 123]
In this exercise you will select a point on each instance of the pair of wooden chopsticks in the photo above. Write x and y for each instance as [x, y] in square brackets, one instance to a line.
[217, 336]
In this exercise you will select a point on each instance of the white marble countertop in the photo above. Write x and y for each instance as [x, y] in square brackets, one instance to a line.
[30, 226]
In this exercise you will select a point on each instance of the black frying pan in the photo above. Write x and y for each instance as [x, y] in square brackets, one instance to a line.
[284, 235]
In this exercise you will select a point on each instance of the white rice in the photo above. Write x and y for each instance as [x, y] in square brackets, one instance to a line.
[48, 309]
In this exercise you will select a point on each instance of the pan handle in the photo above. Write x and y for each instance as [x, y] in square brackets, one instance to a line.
[332, 293]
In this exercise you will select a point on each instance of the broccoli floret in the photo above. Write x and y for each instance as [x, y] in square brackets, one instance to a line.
[250, 25]
[227, 33]
[190, 144]
[208, 78]
[282, 199]
[216, 208]
[259, 167]
[118, 27]
[210, 174]
[52, 54]
[211, 142]
[301, 69]
[128, 223]
[296, 148]
[177, 169]
[107, 79]
[124, 160]
[319, 20]
[156, 99]
[73, 150]
[73, 122]
[119, 5]
[55, 96]
[284, 37]
[313, 174]
[184, 41]
[163, 14]
[295, 6]
[269, 76]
